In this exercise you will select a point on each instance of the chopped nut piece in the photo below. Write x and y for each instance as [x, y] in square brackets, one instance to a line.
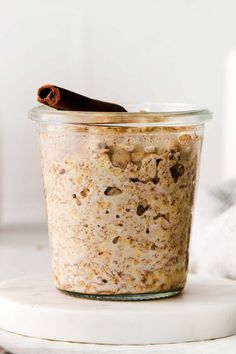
[142, 208]
[177, 171]
[138, 154]
[84, 192]
[116, 239]
[112, 191]
[120, 158]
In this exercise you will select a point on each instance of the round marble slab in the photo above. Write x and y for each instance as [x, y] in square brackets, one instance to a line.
[19, 344]
[33, 307]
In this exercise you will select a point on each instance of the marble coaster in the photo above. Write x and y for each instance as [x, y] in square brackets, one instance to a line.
[32, 306]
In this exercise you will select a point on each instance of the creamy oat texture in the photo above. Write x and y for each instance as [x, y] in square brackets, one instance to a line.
[119, 204]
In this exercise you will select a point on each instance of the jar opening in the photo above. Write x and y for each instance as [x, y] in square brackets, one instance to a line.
[143, 114]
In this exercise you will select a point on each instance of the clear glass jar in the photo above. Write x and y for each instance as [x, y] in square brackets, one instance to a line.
[119, 191]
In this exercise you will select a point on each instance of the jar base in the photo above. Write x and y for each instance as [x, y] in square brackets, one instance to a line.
[124, 297]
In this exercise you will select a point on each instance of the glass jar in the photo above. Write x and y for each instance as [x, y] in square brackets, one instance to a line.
[119, 191]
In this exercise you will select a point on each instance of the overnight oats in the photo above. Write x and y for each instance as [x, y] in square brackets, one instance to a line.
[119, 191]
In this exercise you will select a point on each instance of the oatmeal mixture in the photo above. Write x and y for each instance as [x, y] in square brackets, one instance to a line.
[119, 204]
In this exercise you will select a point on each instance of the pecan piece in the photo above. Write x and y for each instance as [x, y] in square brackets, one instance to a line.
[84, 192]
[112, 191]
[120, 158]
[177, 171]
[116, 239]
[137, 154]
[142, 208]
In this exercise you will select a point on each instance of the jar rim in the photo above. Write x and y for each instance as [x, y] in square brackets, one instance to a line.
[142, 114]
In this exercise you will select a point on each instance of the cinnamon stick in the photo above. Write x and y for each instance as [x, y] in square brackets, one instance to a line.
[63, 99]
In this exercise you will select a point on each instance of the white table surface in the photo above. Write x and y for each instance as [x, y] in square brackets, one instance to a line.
[24, 250]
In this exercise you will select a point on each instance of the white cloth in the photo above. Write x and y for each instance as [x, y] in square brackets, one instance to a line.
[213, 245]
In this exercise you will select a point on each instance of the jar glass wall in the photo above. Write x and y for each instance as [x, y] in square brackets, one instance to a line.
[119, 191]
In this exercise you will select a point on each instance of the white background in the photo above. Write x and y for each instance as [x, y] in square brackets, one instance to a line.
[126, 50]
